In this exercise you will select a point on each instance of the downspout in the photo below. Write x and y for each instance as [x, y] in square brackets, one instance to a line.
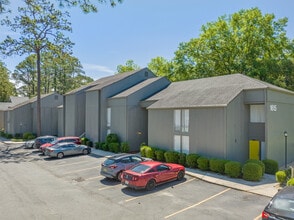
[99, 116]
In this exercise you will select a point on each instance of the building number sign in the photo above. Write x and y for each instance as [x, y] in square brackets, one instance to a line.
[273, 108]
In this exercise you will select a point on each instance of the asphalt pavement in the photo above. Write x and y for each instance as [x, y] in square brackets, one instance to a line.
[267, 186]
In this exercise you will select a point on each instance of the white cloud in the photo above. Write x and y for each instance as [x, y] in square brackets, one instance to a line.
[96, 71]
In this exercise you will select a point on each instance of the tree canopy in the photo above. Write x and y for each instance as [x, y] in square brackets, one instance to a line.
[129, 66]
[6, 87]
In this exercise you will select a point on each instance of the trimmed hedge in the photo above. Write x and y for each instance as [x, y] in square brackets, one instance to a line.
[112, 138]
[191, 160]
[171, 156]
[142, 150]
[125, 148]
[217, 165]
[150, 153]
[281, 177]
[182, 159]
[114, 147]
[233, 169]
[259, 162]
[159, 155]
[271, 166]
[290, 182]
[203, 163]
[252, 171]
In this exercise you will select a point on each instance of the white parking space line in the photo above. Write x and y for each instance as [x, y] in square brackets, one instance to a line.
[133, 198]
[258, 217]
[199, 203]
[76, 171]
[109, 187]
[96, 177]
[69, 164]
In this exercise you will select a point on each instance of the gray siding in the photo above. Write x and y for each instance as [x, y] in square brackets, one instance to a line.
[277, 122]
[92, 116]
[70, 115]
[60, 121]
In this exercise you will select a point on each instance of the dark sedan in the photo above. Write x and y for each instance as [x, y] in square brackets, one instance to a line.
[66, 149]
[281, 205]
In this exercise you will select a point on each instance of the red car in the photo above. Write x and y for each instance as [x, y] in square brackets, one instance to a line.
[73, 139]
[148, 174]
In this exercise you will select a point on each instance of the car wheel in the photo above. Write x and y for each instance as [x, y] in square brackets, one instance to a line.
[118, 176]
[60, 155]
[85, 152]
[150, 185]
[180, 175]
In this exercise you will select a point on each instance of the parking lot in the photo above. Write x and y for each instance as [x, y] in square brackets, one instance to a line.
[37, 187]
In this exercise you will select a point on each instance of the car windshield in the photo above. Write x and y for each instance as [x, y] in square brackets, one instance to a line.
[54, 142]
[283, 204]
[141, 168]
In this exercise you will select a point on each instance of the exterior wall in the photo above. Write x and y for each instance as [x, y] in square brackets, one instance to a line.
[2, 119]
[208, 131]
[119, 118]
[60, 122]
[160, 128]
[70, 115]
[92, 116]
[20, 120]
[49, 114]
[237, 129]
[280, 111]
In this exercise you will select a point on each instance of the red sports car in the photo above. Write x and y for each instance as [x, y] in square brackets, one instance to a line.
[148, 174]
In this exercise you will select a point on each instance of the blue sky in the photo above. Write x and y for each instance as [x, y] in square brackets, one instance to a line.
[142, 30]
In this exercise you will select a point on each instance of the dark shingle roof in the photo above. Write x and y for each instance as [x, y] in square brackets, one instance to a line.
[205, 92]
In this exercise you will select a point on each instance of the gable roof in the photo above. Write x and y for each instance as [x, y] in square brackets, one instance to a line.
[206, 92]
[13, 101]
[137, 87]
[106, 81]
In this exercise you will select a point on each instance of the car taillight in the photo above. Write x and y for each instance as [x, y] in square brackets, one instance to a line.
[265, 215]
[113, 166]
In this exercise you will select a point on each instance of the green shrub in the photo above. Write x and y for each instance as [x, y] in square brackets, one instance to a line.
[271, 166]
[142, 150]
[171, 156]
[150, 153]
[97, 145]
[31, 137]
[9, 136]
[89, 143]
[290, 182]
[125, 147]
[112, 138]
[217, 165]
[203, 163]
[114, 147]
[26, 135]
[252, 171]
[182, 159]
[159, 155]
[84, 140]
[191, 160]
[105, 147]
[281, 177]
[259, 162]
[233, 169]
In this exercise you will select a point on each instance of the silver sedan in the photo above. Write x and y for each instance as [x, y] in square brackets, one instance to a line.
[66, 149]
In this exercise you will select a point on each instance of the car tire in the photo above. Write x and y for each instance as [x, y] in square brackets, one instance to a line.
[180, 175]
[118, 176]
[85, 152]
[60, 155]
[150, 185]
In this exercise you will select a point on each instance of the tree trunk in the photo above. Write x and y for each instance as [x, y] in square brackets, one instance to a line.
[38, 93]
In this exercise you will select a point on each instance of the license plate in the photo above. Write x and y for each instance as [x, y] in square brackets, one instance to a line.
[126, 182]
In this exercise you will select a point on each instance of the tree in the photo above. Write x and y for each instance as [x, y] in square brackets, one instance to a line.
[87, 5]
[41, 28]
[6, 87]
[3, 6]
[246, 42]
[25, 75]
[161, 67]
[129, 66]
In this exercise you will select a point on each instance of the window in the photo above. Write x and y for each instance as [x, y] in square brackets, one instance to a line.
[177, 143]
[108, 117]
[181, 143]
[257, 113]
[185, 144]
[181, 120]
